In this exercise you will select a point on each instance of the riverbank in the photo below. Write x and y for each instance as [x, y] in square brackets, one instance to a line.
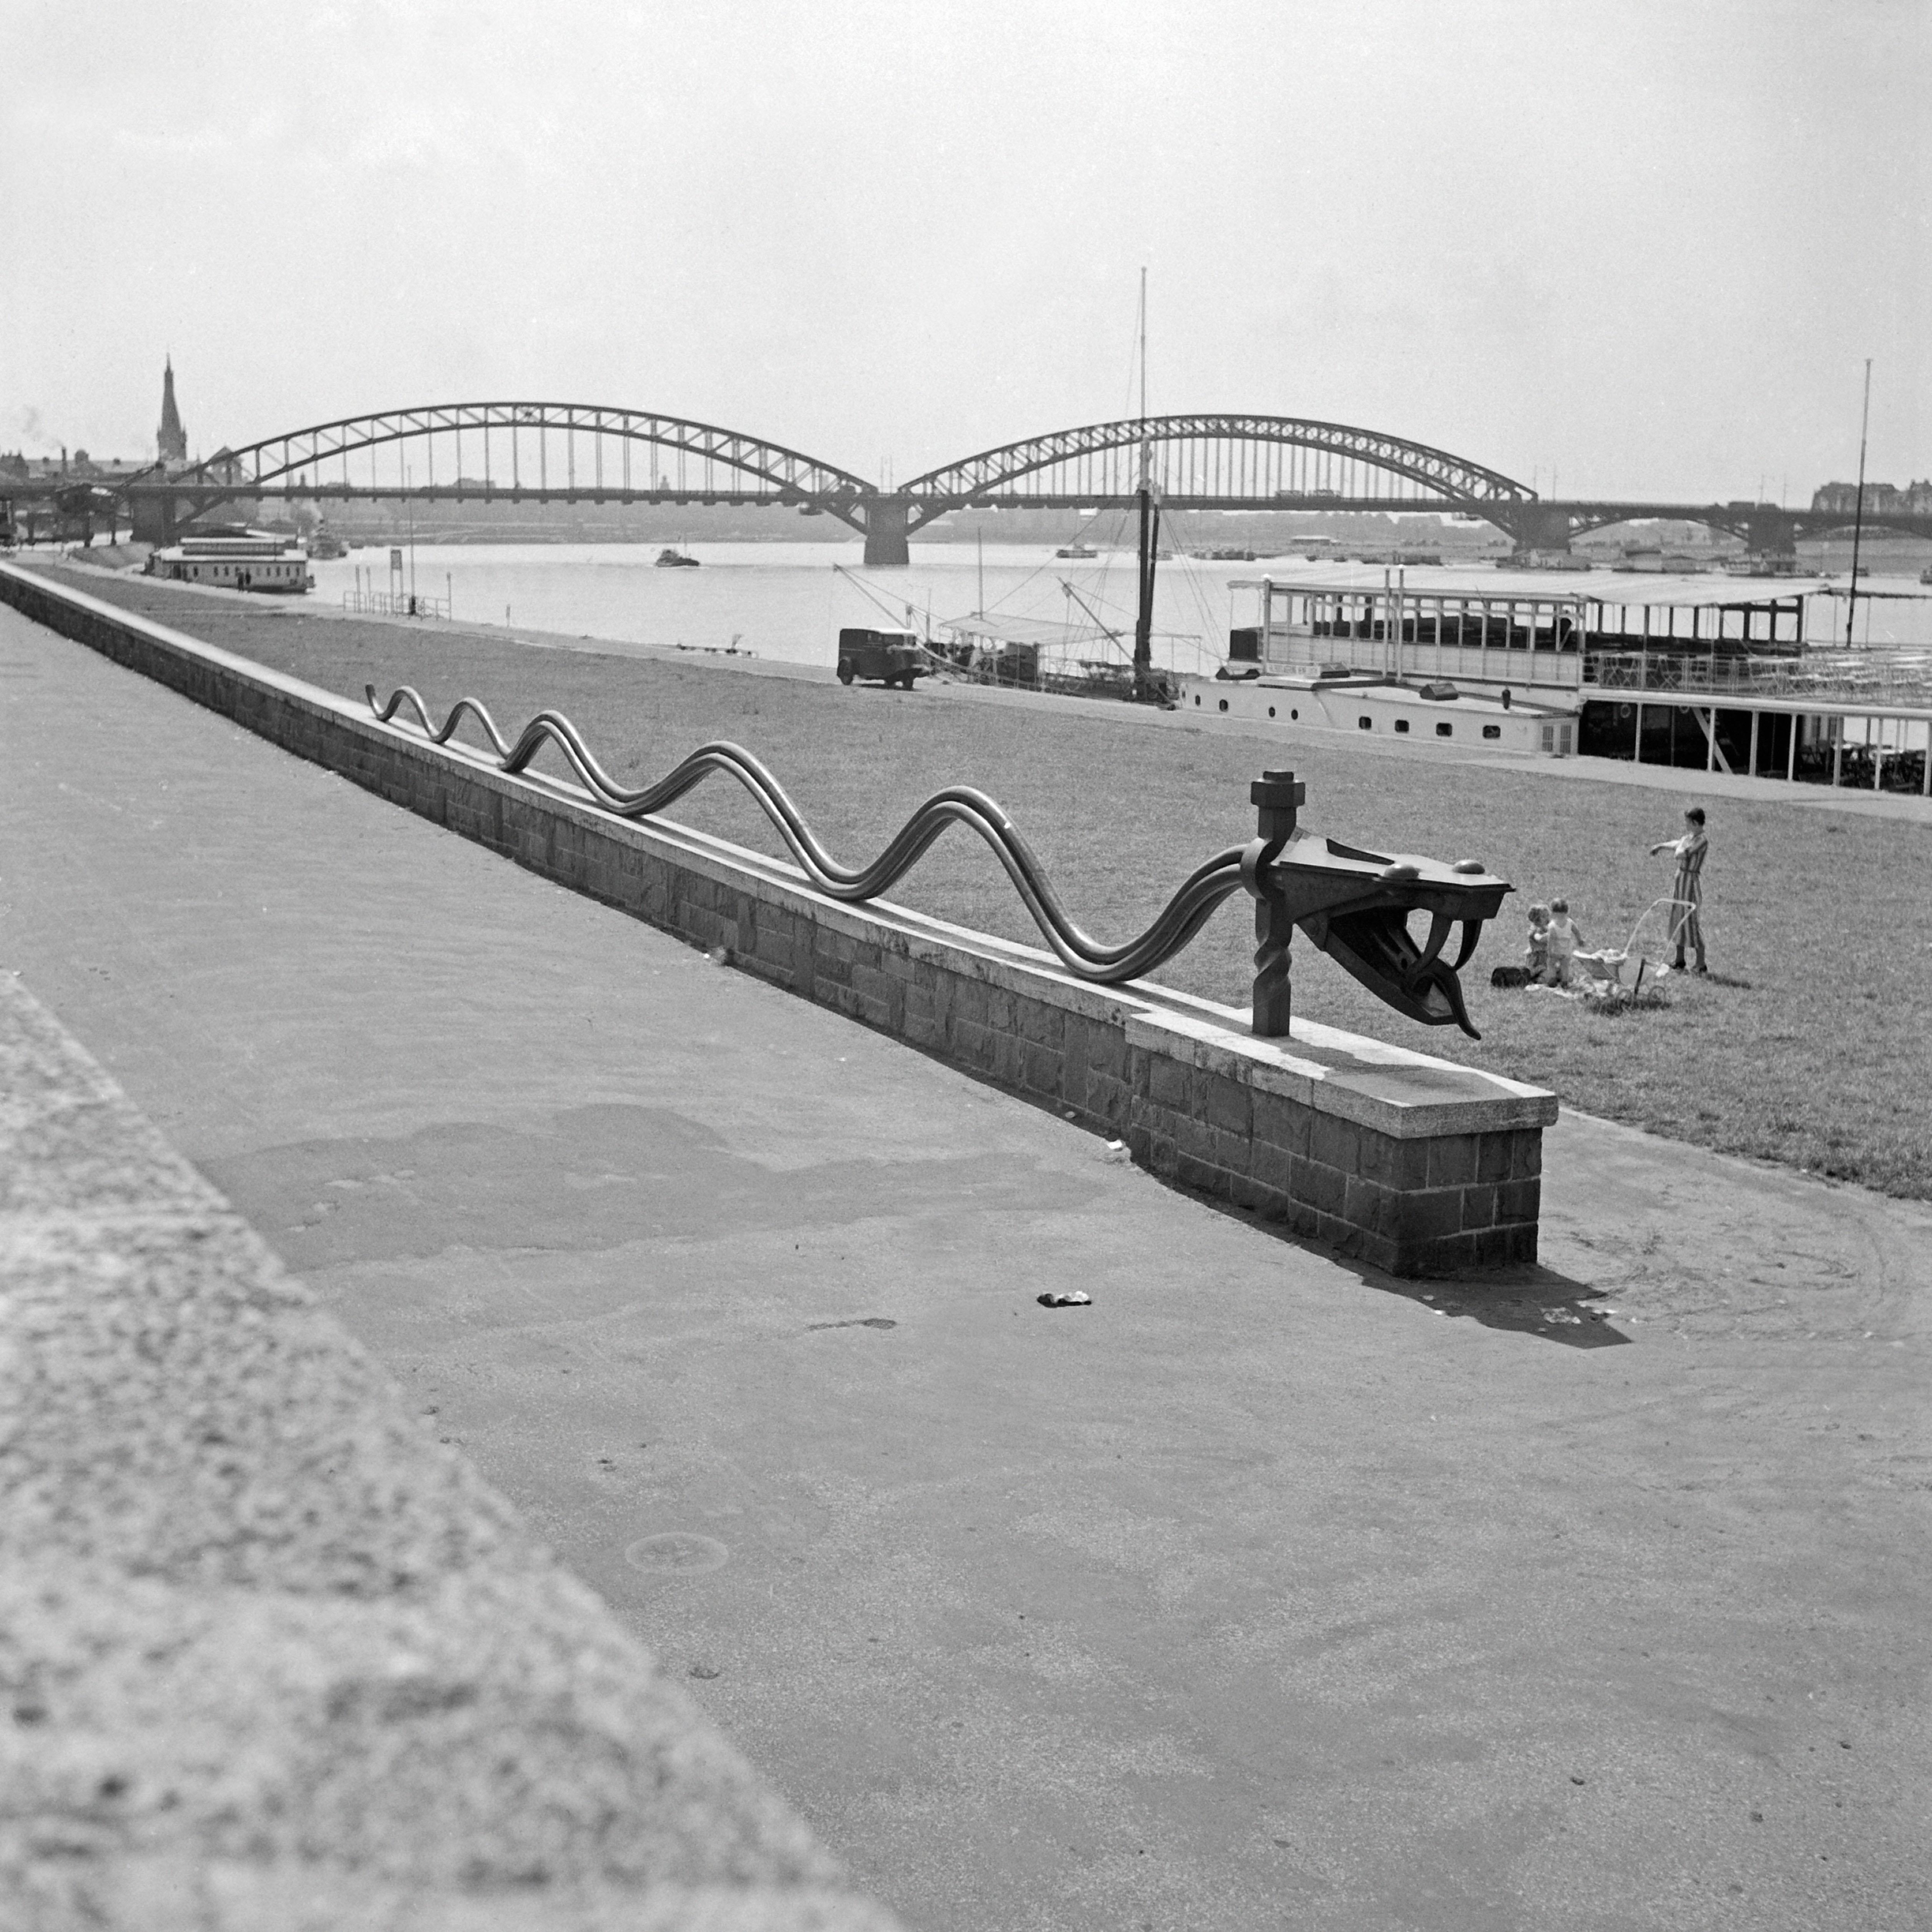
[1262, 1585]
[1806, 1045]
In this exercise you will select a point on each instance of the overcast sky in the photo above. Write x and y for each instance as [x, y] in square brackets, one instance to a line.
[1644, 246]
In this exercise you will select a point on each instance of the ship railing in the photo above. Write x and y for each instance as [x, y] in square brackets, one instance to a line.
[1848, 677]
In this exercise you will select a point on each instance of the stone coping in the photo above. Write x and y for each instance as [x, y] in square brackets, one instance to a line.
[269, 1655]
[1395, 1090]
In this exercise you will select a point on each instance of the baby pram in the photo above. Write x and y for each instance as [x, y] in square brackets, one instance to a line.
[1629, 971]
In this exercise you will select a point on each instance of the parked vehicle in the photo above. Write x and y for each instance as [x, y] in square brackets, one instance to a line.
[884, 657]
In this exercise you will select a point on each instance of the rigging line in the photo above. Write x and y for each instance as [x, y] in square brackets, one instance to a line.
[1195, 583]
[1016, 589]
[1112, 636]
[859, 582]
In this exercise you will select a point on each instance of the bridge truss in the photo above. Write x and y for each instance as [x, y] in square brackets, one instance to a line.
[574, 452]
[1206, 462]
[570, 451]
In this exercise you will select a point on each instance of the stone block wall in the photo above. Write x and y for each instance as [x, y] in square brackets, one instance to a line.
[1409, 1164]
[1439, 1205]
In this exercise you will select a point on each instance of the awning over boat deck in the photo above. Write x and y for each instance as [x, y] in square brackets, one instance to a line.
[1050, 634]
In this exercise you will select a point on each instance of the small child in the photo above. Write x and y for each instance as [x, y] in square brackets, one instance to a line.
[1536, 954]
[1564, 938]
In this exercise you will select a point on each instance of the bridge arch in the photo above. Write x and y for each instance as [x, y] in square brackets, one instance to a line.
[1251, 461]
[786, 476]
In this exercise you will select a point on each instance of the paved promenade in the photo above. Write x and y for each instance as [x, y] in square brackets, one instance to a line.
[1259, 1593]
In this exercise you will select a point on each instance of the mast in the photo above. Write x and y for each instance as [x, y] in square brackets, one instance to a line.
[1858, 513]
[1150, 545]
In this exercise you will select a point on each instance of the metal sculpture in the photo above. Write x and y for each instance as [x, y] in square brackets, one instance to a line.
[1355, 905]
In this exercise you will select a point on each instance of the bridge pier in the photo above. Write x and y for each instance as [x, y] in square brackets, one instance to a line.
[1539, 527]
[1770, 532]
[885, 520]
[153, 517]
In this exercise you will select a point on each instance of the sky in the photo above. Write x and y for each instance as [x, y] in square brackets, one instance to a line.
[1636, 249]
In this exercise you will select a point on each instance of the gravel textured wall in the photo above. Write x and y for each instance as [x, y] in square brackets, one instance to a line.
[269, 1656]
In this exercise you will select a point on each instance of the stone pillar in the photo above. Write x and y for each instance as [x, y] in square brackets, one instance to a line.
[152, 515]
[1540, 526]
[1770, 532]
[885, 520]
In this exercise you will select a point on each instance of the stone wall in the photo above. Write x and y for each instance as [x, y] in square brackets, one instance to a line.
[272, 1656]
[1408, 1163]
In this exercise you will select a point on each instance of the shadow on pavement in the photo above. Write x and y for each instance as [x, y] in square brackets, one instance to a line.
[1533, 1300]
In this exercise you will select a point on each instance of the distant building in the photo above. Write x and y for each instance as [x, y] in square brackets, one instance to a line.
[1882, 500]
[171, 440]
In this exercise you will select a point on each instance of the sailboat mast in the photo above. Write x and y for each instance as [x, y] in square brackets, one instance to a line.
[1150, 546]
[1144, 351]
[1858, 513]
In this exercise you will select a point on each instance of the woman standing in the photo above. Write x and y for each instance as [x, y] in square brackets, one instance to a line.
[1688, 888]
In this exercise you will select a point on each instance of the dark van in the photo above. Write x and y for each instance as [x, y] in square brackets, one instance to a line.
[886, 657]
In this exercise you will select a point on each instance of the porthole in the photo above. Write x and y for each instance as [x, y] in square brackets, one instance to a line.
[1197, 700]
[1270, 710]
[1492, 730]
[1365, 724]
[1402, 724]
[1293, 715]
[1224, 704]
[1445, 730]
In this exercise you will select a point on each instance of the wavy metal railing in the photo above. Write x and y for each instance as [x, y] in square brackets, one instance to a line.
[1081, 954]
[1355, 905]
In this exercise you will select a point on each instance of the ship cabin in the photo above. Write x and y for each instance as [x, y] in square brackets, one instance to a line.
[236, 560]
[1731, 685]
[1454, 666]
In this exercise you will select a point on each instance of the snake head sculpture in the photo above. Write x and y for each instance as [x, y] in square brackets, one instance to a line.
[1356, 906]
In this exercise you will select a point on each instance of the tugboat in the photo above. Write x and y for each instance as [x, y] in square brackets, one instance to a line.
[672, 558]
[325, 544]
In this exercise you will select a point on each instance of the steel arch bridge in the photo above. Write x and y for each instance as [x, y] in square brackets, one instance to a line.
[1198, 462]
[1210, 460]
[576, 452]
[536, 450]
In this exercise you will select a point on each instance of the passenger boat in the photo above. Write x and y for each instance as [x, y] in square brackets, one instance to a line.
[1495, 673]
[244, 560]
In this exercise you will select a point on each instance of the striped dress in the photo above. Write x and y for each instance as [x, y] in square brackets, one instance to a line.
[1688, 890]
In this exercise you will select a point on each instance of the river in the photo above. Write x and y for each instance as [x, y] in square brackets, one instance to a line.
[789, 600]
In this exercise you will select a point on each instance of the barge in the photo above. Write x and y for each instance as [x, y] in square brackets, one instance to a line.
[1466, 667]
[240, 560]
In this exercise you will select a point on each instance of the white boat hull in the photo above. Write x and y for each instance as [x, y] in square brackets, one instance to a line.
[1366, 708]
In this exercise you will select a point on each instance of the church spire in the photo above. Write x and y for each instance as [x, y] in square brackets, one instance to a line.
[171, 438]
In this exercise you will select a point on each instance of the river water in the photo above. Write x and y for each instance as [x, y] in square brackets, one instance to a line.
[789, 600]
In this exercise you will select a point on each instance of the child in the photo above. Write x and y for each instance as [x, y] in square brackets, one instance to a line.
[1564, 938]
[1536, 954]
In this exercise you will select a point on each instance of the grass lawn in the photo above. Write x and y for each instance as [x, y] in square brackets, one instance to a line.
[1807, 1044]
